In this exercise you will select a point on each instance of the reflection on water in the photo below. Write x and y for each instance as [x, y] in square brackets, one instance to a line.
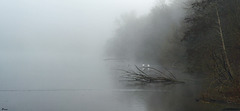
[77, 84]
[170, 99]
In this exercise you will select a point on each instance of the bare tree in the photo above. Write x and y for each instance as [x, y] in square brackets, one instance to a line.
[230, 72]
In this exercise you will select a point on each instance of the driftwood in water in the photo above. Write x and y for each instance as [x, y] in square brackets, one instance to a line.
[145, 76]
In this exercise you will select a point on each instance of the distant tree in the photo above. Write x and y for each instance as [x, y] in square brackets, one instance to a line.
[150, 38]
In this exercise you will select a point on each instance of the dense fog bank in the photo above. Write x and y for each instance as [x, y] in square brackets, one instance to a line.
[153, 38]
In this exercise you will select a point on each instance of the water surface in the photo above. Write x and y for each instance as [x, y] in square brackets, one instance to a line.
[77, 83]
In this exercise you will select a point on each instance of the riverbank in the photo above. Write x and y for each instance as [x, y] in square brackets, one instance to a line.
[227, 94]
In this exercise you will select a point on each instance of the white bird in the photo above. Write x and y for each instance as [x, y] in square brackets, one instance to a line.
[148, 66]
[143, 65]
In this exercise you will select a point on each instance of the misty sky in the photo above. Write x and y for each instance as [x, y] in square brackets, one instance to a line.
[56, 26]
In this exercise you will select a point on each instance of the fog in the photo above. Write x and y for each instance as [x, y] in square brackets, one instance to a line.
[52, 54]
[55, 41]
[153, 38]
[58, 26]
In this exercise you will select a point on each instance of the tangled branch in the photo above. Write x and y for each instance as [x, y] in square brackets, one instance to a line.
[152, 75]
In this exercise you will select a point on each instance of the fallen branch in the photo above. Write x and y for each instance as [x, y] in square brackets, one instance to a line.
[145, 76]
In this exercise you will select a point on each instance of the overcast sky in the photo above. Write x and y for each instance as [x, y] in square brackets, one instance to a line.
[61, 25]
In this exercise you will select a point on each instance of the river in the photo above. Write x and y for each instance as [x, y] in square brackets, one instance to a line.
[68, 82]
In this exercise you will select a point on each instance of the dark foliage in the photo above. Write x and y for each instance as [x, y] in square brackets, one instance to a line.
[212, 41]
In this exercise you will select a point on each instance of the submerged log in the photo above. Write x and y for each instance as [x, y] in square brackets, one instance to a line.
[145, 76]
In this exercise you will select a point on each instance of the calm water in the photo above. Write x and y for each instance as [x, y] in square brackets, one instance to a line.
[67, 82]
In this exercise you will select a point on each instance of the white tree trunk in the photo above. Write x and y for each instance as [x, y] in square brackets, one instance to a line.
[230, 72]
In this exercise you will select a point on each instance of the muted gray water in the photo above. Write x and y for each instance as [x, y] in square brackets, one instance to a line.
[78, 83]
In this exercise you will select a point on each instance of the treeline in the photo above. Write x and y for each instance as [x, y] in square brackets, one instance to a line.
[213, 36]
[212, 39]
[154, 38]
[204, 37]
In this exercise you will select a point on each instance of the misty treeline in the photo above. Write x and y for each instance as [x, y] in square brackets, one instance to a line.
[154, 38]
[201, 35]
